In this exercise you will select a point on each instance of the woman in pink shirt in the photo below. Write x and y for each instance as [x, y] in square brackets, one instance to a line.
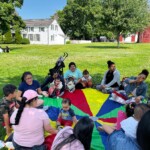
[78, 138]
[29, 123]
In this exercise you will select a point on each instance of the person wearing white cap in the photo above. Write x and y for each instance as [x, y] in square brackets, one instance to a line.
[29, 123]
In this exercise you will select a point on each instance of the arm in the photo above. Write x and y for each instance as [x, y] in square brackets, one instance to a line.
[42, 92]
[19, 93]
[74, 119]
[59, 115]
[48, 128]
[7, 124]
[115, 79]
[79, 76]
[130, 80]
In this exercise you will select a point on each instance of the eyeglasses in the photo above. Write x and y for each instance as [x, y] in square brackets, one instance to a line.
[29, 78]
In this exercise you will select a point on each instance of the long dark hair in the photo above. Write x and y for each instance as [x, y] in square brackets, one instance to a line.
[143, 132]
[21, 108]
[82, 132]
[130, 109]
[24, 75]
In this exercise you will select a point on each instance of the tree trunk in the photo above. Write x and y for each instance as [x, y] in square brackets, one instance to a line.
[138, 40]
[2, 38]
[118, 40]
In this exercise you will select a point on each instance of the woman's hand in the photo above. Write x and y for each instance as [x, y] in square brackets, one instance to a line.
[45, 93]
[103, 86]
[138, 99]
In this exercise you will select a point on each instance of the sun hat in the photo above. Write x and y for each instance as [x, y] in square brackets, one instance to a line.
[30, 94]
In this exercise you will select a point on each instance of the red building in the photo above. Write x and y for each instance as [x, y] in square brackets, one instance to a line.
[145, 36]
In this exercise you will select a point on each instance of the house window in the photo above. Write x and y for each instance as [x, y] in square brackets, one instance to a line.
[26, 29]
[32, 29]
[30, 37]
[24, 35]
[52, 38]
[37, 37]
[41, 29]
[56, 27]
[52, 27]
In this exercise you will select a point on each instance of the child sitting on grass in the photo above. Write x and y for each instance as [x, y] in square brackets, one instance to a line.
[129, 125]
[56, 88]
[85, 81]
[7, 106]
[66, 116]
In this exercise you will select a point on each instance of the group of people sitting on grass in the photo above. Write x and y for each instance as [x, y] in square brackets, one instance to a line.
[23, 111]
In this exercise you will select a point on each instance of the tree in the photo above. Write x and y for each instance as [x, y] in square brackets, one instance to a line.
[8, 37]
[122, 17]
[80, 19]
[8, 17]
[18, 37]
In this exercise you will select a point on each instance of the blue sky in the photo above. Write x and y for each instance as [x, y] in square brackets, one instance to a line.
[38, 9]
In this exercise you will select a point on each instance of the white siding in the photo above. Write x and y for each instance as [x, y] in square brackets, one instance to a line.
[52, 34]
[56, 34]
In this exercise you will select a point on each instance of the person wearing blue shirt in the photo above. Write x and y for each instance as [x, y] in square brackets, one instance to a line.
[29, 84]
[73, 72]
[136, 87]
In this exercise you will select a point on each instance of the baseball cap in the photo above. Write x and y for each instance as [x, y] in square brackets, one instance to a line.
[30, 94]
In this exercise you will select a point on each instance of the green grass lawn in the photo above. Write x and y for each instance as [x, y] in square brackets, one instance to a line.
[130, 59]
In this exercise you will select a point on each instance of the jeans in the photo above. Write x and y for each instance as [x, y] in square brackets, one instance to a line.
[36, 147]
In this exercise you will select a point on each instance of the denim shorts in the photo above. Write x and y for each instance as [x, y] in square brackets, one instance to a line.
[119, 141]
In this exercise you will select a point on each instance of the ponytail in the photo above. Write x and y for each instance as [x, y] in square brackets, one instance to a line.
[20, 110]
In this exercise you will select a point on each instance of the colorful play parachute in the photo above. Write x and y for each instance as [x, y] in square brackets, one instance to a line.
[88, 102]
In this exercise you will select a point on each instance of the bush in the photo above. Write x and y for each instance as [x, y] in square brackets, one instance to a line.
[18, 37]
[8, 37]
[68, 42]
[25, 41]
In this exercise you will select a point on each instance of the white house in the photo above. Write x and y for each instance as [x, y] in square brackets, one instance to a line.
[43, 31]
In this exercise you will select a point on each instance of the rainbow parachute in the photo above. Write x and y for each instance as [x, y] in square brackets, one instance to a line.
[88, 102]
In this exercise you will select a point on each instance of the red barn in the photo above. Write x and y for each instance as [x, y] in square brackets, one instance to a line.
[132, 38]
[145, 36]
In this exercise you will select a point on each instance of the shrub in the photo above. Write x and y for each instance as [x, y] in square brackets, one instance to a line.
[25, 41]
[68, 42]
[8, 37]
[18, 37]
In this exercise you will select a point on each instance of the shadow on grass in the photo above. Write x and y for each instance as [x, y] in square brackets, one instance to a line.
[15, 48]
[108, 47]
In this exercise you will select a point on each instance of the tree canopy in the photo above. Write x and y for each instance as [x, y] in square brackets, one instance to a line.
[125, 16]
[8, 16]
[86, 19]
[80, 19]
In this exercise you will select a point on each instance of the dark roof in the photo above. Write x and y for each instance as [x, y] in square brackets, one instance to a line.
[38, 22]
